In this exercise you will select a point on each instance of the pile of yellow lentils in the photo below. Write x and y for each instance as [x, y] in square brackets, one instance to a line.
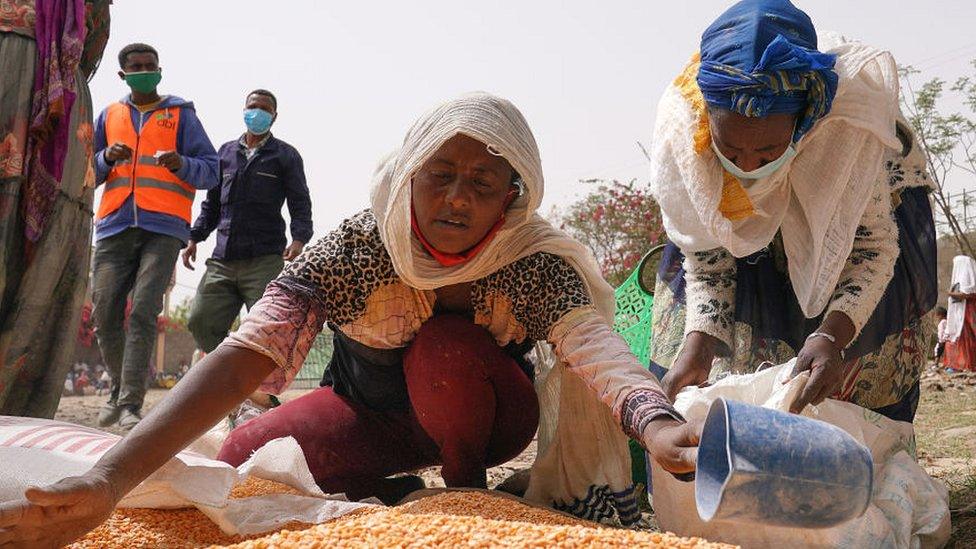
[174, 528]
[449, 519]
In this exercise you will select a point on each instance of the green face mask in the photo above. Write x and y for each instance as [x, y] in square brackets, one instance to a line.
[143, 82]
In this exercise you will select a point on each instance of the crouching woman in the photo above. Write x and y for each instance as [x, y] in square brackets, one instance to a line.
[435, 294]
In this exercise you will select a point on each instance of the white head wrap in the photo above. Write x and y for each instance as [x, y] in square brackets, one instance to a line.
[497, 123]
[580, 443]
[963, 281]
[816, 200]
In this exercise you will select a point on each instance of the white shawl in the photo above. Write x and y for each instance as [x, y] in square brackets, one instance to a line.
[497, 123]
[964, 281]
[816, 200]
[581, 445]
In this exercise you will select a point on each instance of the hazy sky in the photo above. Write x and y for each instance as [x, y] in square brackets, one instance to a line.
[351, 76]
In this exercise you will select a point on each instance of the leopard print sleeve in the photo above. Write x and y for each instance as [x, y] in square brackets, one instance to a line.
[539, 289]
[328, 282]
[550, 299]
[344, 268]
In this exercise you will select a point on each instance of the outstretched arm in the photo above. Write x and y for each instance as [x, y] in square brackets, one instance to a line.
[58, 514]
[269, 347]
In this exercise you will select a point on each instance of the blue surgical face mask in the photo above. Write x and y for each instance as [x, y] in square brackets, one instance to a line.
[760, 172]
[258, 121]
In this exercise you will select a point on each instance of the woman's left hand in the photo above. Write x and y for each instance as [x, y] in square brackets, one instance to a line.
[673, 444]
[823, 359]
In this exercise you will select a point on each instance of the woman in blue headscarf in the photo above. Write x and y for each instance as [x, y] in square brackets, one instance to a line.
[796, 201]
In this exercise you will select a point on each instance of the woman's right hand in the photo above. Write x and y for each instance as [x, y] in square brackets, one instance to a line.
[118, 151]
[692, 366]
[674, 444]
[56, 515]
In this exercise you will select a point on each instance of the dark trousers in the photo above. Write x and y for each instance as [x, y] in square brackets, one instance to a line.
[140, 262]
[226, 286]
[472, 407]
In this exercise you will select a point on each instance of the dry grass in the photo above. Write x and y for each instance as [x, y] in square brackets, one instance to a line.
[945, 428]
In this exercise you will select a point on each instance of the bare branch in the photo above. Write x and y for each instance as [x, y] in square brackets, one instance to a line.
[644, 150]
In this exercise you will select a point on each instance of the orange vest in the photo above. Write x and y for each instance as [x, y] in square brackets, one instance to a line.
[156, 188]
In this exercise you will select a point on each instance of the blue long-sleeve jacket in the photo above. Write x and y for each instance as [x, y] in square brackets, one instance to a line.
[245, 209]
[200, 169]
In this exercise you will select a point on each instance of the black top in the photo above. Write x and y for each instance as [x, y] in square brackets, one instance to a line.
[245, 208]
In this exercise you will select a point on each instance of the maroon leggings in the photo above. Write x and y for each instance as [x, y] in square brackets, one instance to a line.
[472, 407]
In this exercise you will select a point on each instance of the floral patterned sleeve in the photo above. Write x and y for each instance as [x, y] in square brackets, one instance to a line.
[710, 291]
[871, 263]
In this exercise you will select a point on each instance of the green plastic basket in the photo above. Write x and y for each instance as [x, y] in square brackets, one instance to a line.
[635, 304]
[633, 321]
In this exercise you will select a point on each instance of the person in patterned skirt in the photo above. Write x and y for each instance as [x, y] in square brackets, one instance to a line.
[797, 205]
[960, 322]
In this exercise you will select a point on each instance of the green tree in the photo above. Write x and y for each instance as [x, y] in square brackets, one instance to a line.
[619, 222]
[947, 138]
[179, 316]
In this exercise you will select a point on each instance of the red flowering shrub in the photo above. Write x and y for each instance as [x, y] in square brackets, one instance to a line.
[619, 222]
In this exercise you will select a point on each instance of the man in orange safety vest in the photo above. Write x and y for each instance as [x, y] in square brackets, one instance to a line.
[152, 155]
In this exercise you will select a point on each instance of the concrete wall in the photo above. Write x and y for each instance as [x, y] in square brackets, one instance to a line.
[179, 350]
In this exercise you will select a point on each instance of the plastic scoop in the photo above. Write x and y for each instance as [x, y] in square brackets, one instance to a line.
[762, 465]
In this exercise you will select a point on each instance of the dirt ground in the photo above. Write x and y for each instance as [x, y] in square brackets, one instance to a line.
[945, 429]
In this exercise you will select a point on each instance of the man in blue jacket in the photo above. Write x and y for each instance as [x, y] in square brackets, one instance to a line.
[259, 173]
[151, 154]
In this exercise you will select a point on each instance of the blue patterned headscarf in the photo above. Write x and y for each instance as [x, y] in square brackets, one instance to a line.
[760, 57]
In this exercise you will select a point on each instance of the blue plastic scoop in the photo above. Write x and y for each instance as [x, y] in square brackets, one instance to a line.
[761, 465]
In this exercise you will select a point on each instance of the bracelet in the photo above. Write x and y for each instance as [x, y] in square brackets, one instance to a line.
[829, 338]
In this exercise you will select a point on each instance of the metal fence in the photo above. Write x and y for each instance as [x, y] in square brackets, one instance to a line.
[315, 363]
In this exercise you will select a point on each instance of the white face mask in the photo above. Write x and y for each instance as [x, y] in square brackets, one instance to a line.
[760, 172]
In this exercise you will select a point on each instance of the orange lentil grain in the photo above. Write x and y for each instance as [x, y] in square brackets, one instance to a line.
[449, 519]
[469, 519]
[173, 528]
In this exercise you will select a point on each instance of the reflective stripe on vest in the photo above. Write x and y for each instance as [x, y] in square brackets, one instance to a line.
[147, 183]
[156, 188]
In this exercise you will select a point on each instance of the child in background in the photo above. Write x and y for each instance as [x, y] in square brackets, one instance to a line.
[106, 382]
[940, 314]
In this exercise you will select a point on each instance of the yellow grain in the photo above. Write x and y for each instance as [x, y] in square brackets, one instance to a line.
[173, 528]
[469, 519]
[480, 504]
[450, 519]
[261, 487]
